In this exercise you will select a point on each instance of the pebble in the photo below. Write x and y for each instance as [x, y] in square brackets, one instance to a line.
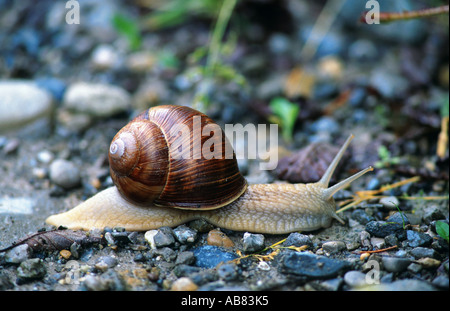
[184, 284]
[150, 238]
[432, 213]
[64, 253]
[98, 100]
[441, 281]
[65, 174]
[22, 102]
[399, 218]
[361, 216]
[421, 252]
[106, 262]
[355, 279]
[32, 269]
[416, 239]
[185, 258]
[297, 239]
[377, 243]
[185, 235]
[333, 247]
[382, 229]
[395, 264]
[252, 242]
[104, 57]
[164, 237]
[18, 254]
[227, 272]
[218, 238]
[390, 202]
[209, 256]
[312, 266]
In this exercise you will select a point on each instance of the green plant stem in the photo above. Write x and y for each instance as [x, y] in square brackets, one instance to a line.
[216, 39]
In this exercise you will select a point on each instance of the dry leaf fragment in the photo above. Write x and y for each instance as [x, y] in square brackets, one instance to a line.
[56, 240]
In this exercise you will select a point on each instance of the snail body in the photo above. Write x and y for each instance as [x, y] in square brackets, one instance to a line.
[196, 188]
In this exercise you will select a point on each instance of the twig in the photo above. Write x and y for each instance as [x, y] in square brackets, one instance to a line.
[405, 15]
[378, 250]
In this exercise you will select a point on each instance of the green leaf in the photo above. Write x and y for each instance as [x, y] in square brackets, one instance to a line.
[442, 229]
[128, 28]
[287, 113]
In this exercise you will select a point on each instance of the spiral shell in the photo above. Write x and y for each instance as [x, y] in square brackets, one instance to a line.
[147, 166]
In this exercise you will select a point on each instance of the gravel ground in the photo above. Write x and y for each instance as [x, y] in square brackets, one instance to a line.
[65, 90]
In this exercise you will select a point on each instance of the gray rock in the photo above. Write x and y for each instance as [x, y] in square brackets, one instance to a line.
[164, 237]
[32, 269]
[252, 242]
[441, 281]
[209, 256]
[22, 102]
[106, 262]
[416, 239]
[98, 100]
[65, 174]
[355, 279]
[399, 218]
[18, 254]
[361, 216]
[185, 258]
[382, 229]
[227, 271]
[185, 235]
[395, 264]
[390, 202]
[297, 239]
[422, 252]
[432, 213]
[333, 247]
[312, 266]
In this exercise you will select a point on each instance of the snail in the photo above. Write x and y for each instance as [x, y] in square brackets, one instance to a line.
[154, 189]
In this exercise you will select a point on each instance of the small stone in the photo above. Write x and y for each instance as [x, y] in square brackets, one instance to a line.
[184, 284]
[32, 269]
[432, 213]
[168, 254]
[227, 271]
[218, 238]
[98, 100]
[390, 202]
[361, 216]
[421, 252]
[406, 285]
[391, 240]
[395, 264]
[312, 266]
[414, 268]
[333, 247]
[399, 218]
[65, 174]
[185, 235]
[382, 229]
[416, 239]
[150, 238]
[185, 258]
[441, 281]
[106, 262]
[364, 237]
[45, 156]
[65, 254]
[22, 102]
[209, 256]
[297, 239]
[252, 242]
[18, 254]
[377, 243]
[355, 279]
[104, 57]
[164, 237]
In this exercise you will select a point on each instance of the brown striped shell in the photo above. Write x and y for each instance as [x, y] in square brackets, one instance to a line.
[150, 166]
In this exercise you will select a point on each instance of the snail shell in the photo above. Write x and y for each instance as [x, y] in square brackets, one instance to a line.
[145, 172]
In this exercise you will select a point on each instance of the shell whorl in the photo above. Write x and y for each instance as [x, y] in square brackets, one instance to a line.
[146, 172]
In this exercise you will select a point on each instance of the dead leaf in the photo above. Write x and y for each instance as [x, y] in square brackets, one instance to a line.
[55, 240]
[308, 164]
